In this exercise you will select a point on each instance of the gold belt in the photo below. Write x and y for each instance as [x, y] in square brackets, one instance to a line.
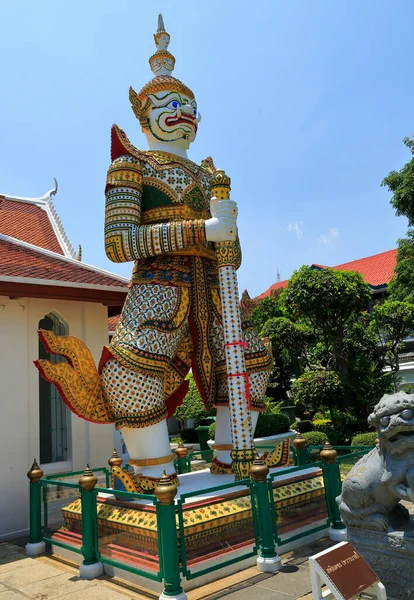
[201, 251]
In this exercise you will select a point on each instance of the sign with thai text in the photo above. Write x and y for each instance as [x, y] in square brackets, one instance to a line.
[346, 570]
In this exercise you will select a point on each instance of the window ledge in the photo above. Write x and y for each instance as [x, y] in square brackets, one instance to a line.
[57, 467]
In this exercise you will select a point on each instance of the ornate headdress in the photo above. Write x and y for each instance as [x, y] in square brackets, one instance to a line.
[162, 65]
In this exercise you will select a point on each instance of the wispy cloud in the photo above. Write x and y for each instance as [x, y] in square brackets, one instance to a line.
[297, 227]
[328, 238]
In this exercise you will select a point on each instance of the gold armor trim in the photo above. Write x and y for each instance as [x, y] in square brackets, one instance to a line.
[200, 251]
[172, 213]
[151, 462]
[157, 159]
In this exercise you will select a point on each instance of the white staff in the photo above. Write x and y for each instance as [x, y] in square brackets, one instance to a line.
[243, 452]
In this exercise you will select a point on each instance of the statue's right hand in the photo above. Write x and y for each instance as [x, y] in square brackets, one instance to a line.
[222, 227]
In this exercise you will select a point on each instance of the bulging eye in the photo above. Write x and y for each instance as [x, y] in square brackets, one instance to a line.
[174, 104]
[194, 111]
[384, 421]
[407, 414]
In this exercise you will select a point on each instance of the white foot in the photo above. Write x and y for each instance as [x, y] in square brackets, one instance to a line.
[338, 535]
[35, 549]
[182, 596]
[91, 571]
[269, 565]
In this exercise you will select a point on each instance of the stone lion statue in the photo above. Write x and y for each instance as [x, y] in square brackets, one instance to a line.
[372, 490]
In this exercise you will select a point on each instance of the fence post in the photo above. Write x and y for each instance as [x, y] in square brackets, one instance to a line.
[36, 544]
[168, 552]
[301, 450]
[91, 567]
[332, 481]
[181, 452]
[114, 461]
[268, 560]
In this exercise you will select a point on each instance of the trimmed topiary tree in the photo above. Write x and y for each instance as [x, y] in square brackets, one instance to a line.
[271, 425]
[365, 439]
[315, 438]
[192, 406]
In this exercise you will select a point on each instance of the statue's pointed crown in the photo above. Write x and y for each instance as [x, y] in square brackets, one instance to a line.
[162, 64]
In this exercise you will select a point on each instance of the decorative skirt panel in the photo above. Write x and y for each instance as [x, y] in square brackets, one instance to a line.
[171, 322]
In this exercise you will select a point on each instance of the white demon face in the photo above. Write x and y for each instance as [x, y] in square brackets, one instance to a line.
[173, 117]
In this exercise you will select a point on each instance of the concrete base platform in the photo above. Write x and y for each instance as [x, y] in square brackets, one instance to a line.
[217, 527]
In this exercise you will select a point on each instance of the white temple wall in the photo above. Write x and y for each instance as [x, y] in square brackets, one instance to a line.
[19, 401]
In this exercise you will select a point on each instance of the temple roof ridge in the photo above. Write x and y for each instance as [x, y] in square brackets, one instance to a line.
[45, 203]
[68, 259]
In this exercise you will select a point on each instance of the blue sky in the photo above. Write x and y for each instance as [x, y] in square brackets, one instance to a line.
[304, 104]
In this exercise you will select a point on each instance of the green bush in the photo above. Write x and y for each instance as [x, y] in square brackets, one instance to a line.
[315, 438]
[266, 425]
[364, 439]
[192, 406]
[271, 424]
[303, 426]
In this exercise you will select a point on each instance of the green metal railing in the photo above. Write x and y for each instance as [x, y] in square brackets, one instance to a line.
[323, 522]
[172, 559]
[252, 551]
[64, 476]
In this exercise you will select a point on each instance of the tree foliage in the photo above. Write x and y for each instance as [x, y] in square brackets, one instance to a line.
[318, 388]
[393, 321]
[266, 309]
[401, 184]
[401, 287]
[324, 342]
[327, 298]
[192, 406]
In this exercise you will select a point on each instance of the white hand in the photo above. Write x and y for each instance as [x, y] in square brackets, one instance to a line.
[222, 226]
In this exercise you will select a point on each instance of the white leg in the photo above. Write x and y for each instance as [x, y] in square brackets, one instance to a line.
[223, 431]
[149, 442]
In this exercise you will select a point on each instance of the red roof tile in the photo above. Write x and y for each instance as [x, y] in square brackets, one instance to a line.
[29, 223]
[18, 261]
[113, 322]
[280, 285]
[377, 270]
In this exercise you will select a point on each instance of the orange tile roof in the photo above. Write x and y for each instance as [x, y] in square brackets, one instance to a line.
[18, 261]
[377, 270]
[29, 223]
[112, 323]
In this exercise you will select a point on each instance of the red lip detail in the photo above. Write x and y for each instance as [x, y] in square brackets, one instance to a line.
[186, 119]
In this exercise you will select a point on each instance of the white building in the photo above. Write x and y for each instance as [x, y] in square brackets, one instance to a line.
[44, 285]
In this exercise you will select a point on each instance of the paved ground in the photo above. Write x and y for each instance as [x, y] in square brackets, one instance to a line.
[44, 578]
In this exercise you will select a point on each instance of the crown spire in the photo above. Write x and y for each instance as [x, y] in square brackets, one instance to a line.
[161, 27]
[162, 62]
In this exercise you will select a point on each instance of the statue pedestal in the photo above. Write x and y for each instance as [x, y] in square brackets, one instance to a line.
[391, 556]
[216, 526]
